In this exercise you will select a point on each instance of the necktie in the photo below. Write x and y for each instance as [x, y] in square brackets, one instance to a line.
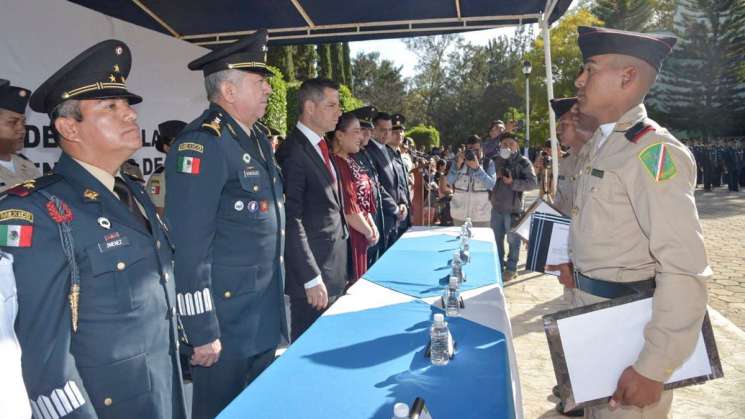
[121, 189]
[325, 151]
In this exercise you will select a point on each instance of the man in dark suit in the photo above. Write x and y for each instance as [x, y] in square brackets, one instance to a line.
[402, 173]
[394, 205]
[316, 246]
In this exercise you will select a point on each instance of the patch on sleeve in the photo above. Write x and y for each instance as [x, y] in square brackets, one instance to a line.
[16, 214]
[199, 148]
[656, 159]
[190, 165]
[16, 235]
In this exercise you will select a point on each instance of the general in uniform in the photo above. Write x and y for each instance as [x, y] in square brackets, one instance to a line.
[225, 203]
[96, 319]
[156, 185]
[635, 225]
[14, 167]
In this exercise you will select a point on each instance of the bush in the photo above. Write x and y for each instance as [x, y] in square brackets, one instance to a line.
[292, 105]
[276, 109]
[425, 135]
[348, 101]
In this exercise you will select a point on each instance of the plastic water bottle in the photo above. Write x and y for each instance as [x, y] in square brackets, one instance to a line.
[400, 411]
[439, 341]
[452, 298]
[457, 267]
[469, 227]
[465, 250]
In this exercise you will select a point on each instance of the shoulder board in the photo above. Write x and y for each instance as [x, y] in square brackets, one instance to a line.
[134, 178]
[213, 123]
[32, 185]
[639, 130]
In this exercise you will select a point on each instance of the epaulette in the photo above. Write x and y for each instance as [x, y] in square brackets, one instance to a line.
[639, 130]
[30, 186]
[213, 123]
[263, 128]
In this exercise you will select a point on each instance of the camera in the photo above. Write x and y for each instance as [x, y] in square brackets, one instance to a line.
[507, 170]
[470, 155]
[546, 159]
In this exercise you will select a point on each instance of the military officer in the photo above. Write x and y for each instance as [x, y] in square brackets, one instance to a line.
[96, 319]
[635, 222]
[14, 167]
[225, 202]
[156, 185]
[574, 130]
[394, 144]
[365, 116]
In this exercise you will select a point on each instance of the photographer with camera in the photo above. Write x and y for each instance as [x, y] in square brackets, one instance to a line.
[515, 176]
[543, 169]
[471, 185]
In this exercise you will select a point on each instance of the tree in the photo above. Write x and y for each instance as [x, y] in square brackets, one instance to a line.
[698, 90]
[337, 63]
[378, 82]
[630, 15]
[566, 59]
[304, 60]
[281, 57]
[324, 61]
[276, 109]
[422, 135]
[347, 65]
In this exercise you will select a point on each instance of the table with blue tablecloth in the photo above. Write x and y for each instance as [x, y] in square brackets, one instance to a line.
[367, 352]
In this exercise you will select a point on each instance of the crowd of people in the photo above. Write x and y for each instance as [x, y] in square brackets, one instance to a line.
[142, 290]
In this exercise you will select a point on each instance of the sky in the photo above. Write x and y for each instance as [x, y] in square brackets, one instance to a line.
[395, 50]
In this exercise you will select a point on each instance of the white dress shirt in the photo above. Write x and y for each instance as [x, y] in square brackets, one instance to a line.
[607, 130]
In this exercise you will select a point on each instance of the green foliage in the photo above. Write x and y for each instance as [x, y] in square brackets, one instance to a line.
[378, 82]
[337, 63]
[348, 101]
[347, 66]
[304, 60]
[324, 61]
[424, 135]
[276, 109]
[630, 15]
[282, 58]
[293, 108]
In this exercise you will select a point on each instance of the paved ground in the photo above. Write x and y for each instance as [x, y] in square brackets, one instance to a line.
[531, 296]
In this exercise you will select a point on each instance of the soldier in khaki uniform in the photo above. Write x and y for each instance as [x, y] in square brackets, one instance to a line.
[14, 167]
[635, 223]
[156, 185]
[574, 131]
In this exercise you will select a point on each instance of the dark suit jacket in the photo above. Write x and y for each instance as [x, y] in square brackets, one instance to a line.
[390, 193]
[316, 236]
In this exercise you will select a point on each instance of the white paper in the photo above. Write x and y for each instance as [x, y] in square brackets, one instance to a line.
[599, 345]
[523, 229]
[558, 249]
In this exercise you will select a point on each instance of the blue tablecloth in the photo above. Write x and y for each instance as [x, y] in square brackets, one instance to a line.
[420, 266]
[358, 364]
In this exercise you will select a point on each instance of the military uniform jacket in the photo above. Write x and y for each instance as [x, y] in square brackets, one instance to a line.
[25, 169]
[567, 184]
[156, 187]
[225, 205]
[635, 218]
[122, 362]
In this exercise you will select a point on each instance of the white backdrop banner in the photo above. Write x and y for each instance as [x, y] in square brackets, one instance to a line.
[37, 37]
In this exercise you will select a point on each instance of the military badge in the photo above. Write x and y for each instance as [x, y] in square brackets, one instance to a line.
[199, 148]
[264, 206]
[90, 195]
[16, 235]
[60, 214]
[16, 214]
[656, 159]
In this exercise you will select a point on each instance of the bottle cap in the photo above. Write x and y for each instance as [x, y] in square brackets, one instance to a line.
[401, 410]
[439, 317]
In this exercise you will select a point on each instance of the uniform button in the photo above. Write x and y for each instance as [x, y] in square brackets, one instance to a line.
[166, 276]
[157, 244]
[227, 294]
[256, 188]
[120, 266]
[274, 179]
[281, 259]
[107, 401]
[283, 231]
[173, 311]
[279, 204]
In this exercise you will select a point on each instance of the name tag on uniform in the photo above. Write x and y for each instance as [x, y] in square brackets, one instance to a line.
[597, 173]
[112, 241]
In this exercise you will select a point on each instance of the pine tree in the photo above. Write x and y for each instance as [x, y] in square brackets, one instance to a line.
[337, 63]
[630, 15]
[304, 60]
[698, 89]
[281, 56]
[324, 61]
[348, 66]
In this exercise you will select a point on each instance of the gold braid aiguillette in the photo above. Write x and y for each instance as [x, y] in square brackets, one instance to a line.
[74, 297]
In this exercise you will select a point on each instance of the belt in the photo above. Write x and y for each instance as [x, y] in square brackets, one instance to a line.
[606, 289]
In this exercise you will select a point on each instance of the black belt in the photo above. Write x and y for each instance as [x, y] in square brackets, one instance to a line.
[606, 289]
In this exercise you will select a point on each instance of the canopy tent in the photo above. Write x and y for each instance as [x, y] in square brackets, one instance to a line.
[215, 22]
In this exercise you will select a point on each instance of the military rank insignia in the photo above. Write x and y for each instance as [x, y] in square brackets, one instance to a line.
[16, 235]
[656, 159]
[190, 165]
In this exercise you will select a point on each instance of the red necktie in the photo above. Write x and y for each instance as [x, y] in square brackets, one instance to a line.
[325, 151]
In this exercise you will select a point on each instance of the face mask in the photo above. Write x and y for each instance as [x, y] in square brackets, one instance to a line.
[505, 153]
